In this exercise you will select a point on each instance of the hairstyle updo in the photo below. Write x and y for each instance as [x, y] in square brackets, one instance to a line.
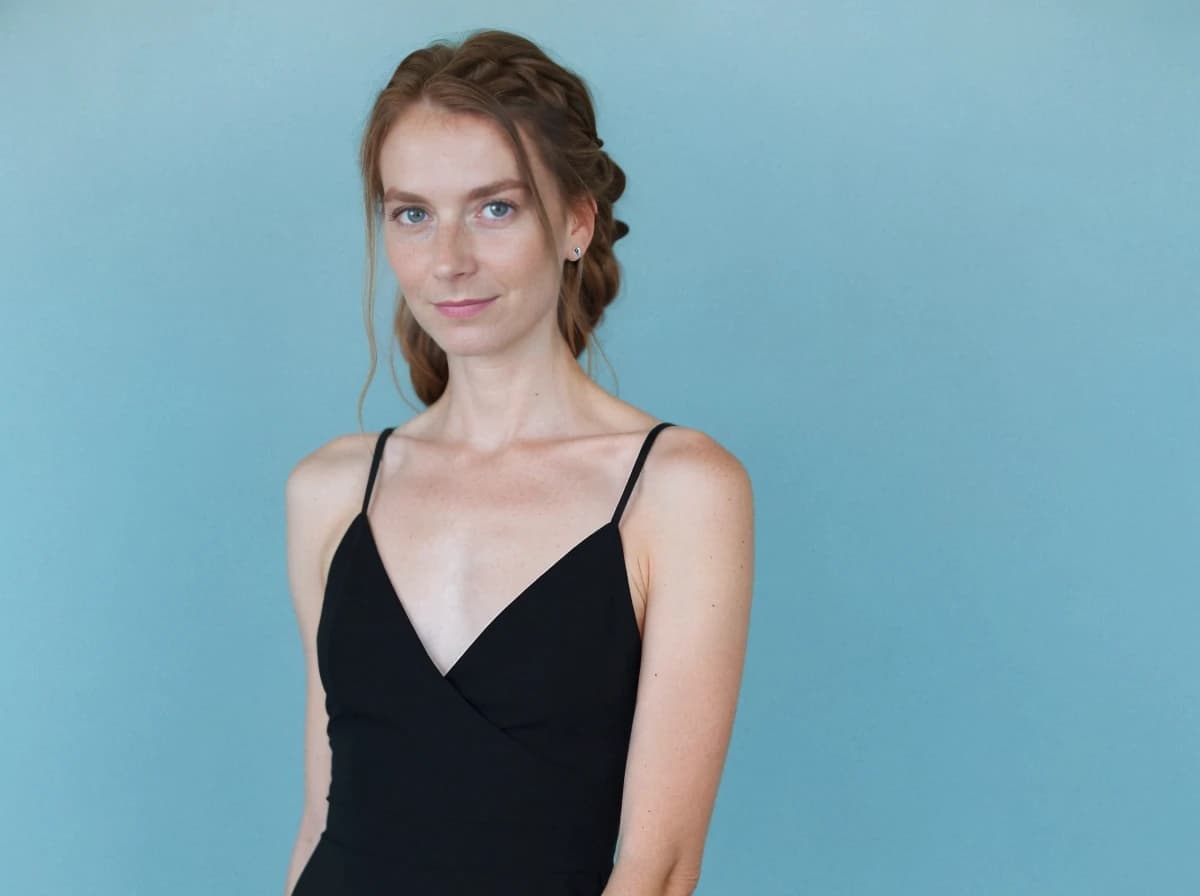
[511, 81]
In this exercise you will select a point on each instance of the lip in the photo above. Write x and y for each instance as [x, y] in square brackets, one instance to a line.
[465, 307]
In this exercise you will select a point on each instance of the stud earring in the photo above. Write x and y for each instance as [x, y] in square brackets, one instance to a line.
[578, 252]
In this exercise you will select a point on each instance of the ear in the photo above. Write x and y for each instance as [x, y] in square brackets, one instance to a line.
[581, 224]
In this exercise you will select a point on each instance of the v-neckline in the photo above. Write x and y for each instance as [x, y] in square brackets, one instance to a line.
[504, 611]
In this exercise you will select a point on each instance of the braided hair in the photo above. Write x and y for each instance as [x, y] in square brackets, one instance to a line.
[510, 80]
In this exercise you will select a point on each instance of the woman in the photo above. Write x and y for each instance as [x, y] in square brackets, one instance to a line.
[460, 739]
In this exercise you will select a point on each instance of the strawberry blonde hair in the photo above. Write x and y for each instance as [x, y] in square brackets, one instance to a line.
[510, 80]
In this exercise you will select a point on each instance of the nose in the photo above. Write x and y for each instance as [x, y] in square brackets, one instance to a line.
[452, 251]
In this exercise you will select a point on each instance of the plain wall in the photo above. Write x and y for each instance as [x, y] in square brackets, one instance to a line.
[929, 270]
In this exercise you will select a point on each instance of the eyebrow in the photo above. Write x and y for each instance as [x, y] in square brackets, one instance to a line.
[509, 183]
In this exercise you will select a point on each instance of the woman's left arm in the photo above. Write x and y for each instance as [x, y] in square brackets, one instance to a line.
[700, 568]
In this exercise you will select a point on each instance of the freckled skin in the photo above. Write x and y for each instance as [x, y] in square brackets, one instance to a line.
[448, 247]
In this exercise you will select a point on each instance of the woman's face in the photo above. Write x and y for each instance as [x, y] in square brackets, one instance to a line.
[457, 225]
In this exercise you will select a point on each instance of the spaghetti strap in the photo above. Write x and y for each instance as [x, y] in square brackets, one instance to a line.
[419, 745]
[637, 467]
[382, 440]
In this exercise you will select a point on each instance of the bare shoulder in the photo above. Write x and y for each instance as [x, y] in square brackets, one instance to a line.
[324, 475]
[699, 502]
[321, 496]
[692, 471]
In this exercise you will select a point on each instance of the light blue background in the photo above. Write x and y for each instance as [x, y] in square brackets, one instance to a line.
[929, 269]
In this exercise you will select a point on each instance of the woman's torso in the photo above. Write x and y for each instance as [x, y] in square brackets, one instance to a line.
[491, 762]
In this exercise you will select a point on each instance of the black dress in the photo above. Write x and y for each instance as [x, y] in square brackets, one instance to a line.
[502, 777]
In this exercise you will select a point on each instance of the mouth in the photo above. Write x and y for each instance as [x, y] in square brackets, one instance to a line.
[462, 308]
[463, 303]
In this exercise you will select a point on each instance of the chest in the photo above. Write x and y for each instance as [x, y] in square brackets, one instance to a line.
[566, 646]
[457, 547]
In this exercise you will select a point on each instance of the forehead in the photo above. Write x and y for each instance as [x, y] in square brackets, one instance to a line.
[429, 150]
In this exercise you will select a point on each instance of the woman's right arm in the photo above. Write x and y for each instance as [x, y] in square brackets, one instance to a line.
[307, 533]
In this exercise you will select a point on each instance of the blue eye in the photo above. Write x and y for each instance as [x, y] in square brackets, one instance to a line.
[396, 215]
[404, 214]
[507, 205]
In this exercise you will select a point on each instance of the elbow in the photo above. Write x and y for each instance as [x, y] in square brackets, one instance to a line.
[682, 881]
[312, 824]
[657, 879]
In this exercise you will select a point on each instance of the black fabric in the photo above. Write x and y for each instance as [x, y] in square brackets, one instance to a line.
[504, 776]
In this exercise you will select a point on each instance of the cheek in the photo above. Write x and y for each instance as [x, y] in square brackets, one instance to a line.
[503, 260]
[405, 264]
[519, 262]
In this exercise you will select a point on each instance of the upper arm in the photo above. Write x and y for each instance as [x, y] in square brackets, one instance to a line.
[309, 531]
[700, 576]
